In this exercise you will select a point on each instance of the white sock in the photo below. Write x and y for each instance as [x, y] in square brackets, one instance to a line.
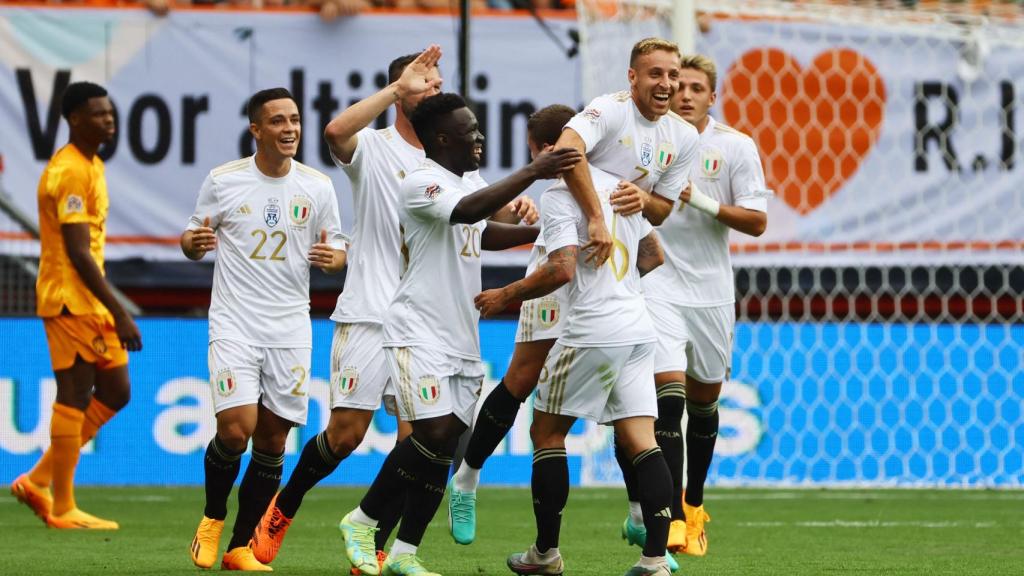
[360, 517]
[399, 547]
[466, 479]
[636, 514]
[648, 562]
[547, 556]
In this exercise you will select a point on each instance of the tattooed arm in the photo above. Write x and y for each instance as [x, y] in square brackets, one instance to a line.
[548, 277]
[649, 254]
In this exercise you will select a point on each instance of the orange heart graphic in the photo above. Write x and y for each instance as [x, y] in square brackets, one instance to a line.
[813, 127]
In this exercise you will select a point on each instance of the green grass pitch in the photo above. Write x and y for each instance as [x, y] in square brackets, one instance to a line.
[784, 532]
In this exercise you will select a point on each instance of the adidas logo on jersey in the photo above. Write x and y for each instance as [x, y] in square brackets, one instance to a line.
[244, 209]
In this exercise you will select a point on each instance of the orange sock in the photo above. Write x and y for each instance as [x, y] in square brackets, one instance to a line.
[96, 415]
[65, 441]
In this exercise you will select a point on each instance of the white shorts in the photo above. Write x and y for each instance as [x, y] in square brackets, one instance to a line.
[541, 318]
[277, 378]
[359, 370]
[599, 384]
[430, 383]
[697, 341]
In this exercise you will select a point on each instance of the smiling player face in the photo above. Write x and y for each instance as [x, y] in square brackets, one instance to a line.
[279, 128]
[652, 81]
[464, 140]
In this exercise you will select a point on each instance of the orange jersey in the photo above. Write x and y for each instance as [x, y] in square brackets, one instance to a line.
[72, 190]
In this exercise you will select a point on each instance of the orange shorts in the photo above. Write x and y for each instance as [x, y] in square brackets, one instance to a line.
[90, 336]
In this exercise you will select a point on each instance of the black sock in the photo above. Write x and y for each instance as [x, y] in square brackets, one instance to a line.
[262, 477]
[496, 418]
[221, 466]
[668, 431]
[655, 484]
[701, 434]
[388, 520]
[550, 486]
[628, 474]
[316, 463]
[425, 493]
[390, 481]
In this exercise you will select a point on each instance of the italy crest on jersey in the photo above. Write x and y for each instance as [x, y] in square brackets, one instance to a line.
[348, 380]
[299, 210]
[272, 213]
[225, 382]
[666, 152]
[429, 390]
[548, 312]
[711, 162]
[646, 152]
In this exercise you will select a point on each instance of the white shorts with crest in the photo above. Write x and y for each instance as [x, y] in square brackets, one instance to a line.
[277, 378]
[599, 384]
[431, 383]
[359, 371]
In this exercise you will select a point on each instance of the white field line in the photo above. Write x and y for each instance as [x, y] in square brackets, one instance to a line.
[868, 524]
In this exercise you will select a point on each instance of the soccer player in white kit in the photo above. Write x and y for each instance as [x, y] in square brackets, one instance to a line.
[601, 368]
[431, 334]
[376, 162]
[540, 324]
[691, 297]
[634, 136]
[270, 218]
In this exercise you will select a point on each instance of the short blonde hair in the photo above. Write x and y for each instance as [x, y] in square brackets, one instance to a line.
[648, 45]
[702, 63]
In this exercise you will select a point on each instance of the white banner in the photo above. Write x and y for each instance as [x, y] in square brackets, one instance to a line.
[880, 149]
[180, 84]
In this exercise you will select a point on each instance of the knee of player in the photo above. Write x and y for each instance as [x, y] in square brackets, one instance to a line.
[543, 437]
[343, 440]
[519, 386]
[118, 400]
[234, 435]
[439, 438]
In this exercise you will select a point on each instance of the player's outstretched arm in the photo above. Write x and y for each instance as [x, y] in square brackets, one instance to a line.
[501, 236]
[649, 254]
[76, 243]
[745, 220]
[522, 209]
[581, 186]
[486, 201]
[340, 132]
[548, 277]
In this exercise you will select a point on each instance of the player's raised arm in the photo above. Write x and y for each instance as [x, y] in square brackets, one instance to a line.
[419, 76]
[486, 201]
[582, 188]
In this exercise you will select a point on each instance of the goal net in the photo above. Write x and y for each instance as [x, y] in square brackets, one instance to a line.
[879, 337]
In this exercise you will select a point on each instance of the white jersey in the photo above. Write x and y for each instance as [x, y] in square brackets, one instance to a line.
[656, 155]
[697, 270]
[433, 305]
[381, 161]
[265, 228]
[606, 305]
